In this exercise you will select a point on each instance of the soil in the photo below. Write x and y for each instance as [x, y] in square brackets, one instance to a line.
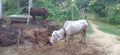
[98, 43]
[9, 32]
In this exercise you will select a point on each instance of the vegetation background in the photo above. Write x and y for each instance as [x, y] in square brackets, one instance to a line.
[107, 11]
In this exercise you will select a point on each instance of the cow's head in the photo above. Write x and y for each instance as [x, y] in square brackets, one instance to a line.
[55, 37]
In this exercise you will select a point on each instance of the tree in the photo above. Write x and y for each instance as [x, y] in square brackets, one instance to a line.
[82, 5]
[23, 3]
[99, 7]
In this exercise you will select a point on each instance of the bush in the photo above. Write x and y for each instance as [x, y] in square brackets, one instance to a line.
[118, 26]
[117, 19]
[113, 16]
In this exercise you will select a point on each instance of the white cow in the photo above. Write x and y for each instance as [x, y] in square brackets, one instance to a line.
[70, 28]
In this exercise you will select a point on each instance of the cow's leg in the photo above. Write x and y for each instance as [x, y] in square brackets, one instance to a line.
[33, 20]
[81, 38]
[84, 31]
[71, 39]
[66, 40]
[84, 35]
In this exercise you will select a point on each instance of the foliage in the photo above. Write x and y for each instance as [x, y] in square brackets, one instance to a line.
[106, 10]
[57, 9]
[82, 3]
[113, 15]
[99, 7]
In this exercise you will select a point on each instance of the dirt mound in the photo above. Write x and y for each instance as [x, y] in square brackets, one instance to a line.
[2, 21]
[9, 34]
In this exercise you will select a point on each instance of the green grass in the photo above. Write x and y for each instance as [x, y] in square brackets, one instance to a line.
[109, 29]
[89, 29]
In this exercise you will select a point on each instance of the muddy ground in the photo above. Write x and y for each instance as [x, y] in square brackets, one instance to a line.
[9, 34]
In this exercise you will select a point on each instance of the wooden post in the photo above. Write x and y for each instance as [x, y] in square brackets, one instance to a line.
[72, 13]
[0, 9]
[29, 6]
[18, 5]
[72, 10]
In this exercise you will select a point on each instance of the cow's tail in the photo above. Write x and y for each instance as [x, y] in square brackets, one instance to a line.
[87, 22]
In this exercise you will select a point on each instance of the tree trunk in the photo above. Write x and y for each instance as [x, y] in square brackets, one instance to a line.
[30, 5]
[82, 12]
[0, 9]
[73, 13]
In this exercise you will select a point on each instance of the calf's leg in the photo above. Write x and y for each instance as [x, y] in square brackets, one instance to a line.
[33, 20]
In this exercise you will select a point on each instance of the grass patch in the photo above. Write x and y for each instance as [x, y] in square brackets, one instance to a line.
[108, 28]
[118, 38]
[89, 29]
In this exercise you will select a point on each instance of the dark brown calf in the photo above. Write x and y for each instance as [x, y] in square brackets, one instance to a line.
[36, 11]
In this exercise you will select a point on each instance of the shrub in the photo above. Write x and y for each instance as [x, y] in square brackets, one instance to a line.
[118, 26]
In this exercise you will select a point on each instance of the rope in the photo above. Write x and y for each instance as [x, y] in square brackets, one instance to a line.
[64, 31]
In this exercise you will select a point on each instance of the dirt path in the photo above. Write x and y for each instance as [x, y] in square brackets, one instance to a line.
[104, 42]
